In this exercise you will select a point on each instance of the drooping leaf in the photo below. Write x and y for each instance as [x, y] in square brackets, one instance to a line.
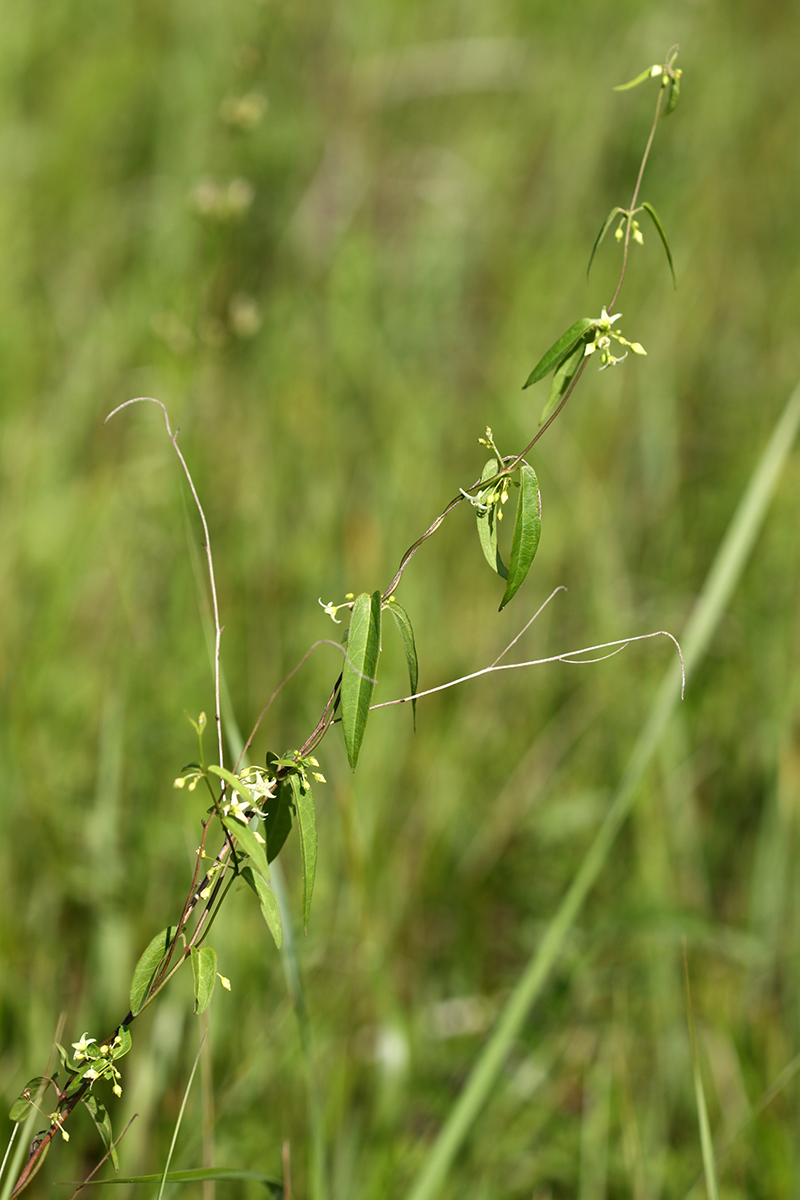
[646, 74]
[307, 828]
[674, 95]
[487, 526]
[606, 225]
[557, 351]
[270, 909]
[409, 646]
[527, 528]
[654, 217]
[232, 782]
[358, 676]
[22, 1104]
[249, 843]
[102, 1120]
[204, 975]
[278, 822]
[564, 374]
[147, 968]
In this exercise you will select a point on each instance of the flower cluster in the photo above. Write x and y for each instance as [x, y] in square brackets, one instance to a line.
[602, 341]
[101, 1057]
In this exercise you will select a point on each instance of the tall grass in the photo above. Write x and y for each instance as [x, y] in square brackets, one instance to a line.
[422, 205]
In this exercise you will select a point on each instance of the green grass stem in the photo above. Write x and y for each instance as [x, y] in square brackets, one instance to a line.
[722, 578]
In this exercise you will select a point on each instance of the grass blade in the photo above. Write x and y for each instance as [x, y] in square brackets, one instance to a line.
[706, 1140]
[722, 578]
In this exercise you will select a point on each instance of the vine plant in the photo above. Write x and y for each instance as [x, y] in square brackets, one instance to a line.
[253, 808]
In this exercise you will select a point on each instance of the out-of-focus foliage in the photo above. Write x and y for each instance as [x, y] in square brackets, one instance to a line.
[333, 239]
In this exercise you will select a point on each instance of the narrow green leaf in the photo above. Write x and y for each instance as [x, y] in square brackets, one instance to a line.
[674, 96]
[147, 968]
[487, 527]
[278, 821]
[409, 646]
[199, 1175]
[358, 676]
[706, 1140]
[99, 1114]
[204, 974]
[22, 1104]
[556, 352]
[248, 841]
[564, 374]
[307, 828]
[606, 225]
[624, 87]
[232, 781]
[527, 529]
[270, 909]
[654, 217]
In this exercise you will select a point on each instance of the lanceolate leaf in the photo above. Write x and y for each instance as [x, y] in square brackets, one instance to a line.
[409, 646]
[147, 968]
[204, 975]
[358, 676]
[527, 529]
[278, 823]
[231, 781]
[307, 827]
[606, 225]
[557, 352]
[270, 909]
[624, 87]
[487, 527]
[100, 1116]
[654, 217]
[249, 843]
[565, 373]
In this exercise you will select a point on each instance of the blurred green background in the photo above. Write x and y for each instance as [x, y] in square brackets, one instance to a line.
[333, 238]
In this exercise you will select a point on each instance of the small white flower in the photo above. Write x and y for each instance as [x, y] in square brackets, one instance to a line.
[330, 609]
[81, 1048]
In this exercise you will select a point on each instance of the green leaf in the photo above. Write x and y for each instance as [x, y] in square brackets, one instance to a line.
[278, 821]
[527, 529]
[204, 974]
[487, 526]
[565, 373]
[232, 781]
[624, 87]
[409, 646]
[307, 828]
[22, 1104]
[556, 352]
[125, 1042]
[248, 841]
[358, 676]
[198, 1175]
[148, 966]
[674, 95]
[270, 909]
[654, 217]
[100, 1116]
[606, 225]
